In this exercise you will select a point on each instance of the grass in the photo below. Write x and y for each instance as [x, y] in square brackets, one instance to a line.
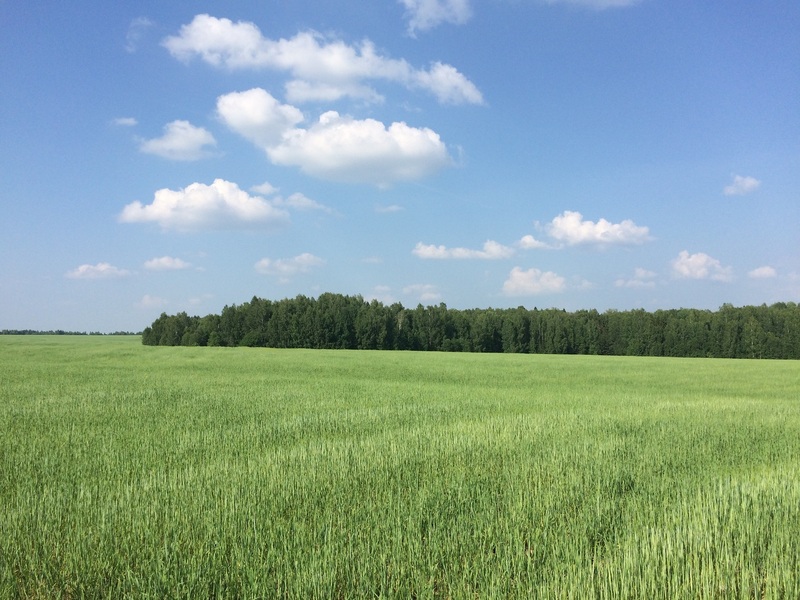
[153, 472]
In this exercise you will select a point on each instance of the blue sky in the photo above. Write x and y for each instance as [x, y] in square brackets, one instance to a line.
[609, 154]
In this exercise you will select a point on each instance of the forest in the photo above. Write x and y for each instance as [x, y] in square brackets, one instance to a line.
[350, 322]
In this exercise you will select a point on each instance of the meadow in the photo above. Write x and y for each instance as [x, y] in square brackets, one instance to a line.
[177, 472]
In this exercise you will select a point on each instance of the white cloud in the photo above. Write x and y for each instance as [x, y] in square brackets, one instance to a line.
[101, 270]
[741, 186]
[298, 201]
[220, 42]
[448, 85]
[257, 116]
[528, 242]
[284, 268]
[427, 14]
[265, 189]
[424, 292]
[166, 263]
[136, 31]
[765, 272]
[221, 205]
[181, 141]
[336, 147]
[642, 278]
[491, 251]
[362, 151]
[571, 229]
[533, 282]
[125, 122]
[700, 266]
[322, 69]
[305, 91]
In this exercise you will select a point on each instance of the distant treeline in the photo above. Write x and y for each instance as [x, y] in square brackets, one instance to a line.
[59, 332]
[350, 322]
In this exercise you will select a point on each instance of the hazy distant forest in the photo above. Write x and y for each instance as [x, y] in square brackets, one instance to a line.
[350, 322]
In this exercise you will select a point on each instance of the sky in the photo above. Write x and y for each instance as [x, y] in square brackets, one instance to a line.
[578, 154]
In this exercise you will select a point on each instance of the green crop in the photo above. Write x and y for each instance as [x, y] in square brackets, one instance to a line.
[155, 472]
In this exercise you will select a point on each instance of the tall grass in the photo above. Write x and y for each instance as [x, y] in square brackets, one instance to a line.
[210, 472]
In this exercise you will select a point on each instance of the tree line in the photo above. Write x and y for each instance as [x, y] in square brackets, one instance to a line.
[350, 322]
[60, 332]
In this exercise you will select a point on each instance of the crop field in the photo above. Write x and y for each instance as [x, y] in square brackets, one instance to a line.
[171, 472]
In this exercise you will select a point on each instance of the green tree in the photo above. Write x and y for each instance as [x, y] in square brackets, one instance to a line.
[515, 331]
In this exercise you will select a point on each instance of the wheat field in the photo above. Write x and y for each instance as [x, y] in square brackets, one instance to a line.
[155, 472]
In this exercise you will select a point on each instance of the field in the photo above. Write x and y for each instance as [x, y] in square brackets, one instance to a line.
[153, 472]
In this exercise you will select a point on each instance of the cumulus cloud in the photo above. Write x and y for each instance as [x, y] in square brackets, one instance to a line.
[642, 278]
[301, 202]
[741, 186]
[336, 147]
[570, 228]
[700, 266]
[533, 282]
[296, 201]
[448, 85]
[341, 148]
[181, 141]
[284, 268]
[265, 189]
[221, 205]
[321, 68]
[424, 292]
[491, 251]
[166, 263]
[101, 270]
[125, 122]
[257, 116]
[528, 242]
[427, 14]
[765, 272]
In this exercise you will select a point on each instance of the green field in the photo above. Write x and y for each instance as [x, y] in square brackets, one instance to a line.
[134, 471]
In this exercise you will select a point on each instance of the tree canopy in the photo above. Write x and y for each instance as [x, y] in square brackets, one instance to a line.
[350, 322]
